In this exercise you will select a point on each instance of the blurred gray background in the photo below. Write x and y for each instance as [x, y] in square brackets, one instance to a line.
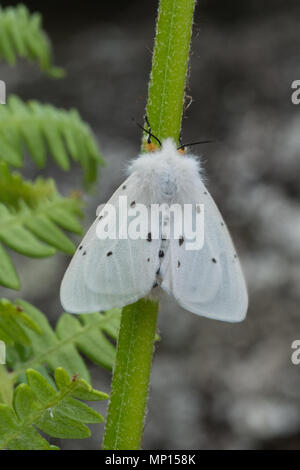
[214, 385]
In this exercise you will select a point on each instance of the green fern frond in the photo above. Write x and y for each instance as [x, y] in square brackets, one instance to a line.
[7, 386]
[43, 127]
[14, 189]
[31, 218]
[86, 334]
[12, 322]
[56, 411]
[22, 36]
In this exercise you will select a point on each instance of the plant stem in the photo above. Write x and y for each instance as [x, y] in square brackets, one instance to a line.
[126, 412]
[169, 67]
[129, 390]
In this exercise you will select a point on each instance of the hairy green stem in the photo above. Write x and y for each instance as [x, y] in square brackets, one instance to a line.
[126, 412]
[129, 390]
[169, 67]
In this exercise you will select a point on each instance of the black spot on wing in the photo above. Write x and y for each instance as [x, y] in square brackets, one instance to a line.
[109, 253]
[161, 254]
[132, 204]
[178, 264]
[180, 241]
[214, 260]
[149, 237]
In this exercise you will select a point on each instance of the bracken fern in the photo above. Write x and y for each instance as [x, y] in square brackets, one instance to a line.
[33, 217]
[55, 410]
[21, 35]
[43, 128]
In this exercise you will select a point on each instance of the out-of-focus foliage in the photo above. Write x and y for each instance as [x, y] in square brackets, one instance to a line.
[21, 35]
[41, 128]
[12, 322]
[31, 218]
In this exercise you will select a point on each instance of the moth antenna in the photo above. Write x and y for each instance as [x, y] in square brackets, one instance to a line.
[147, 122]
[149, 128]
[150, 134]
[182, 146]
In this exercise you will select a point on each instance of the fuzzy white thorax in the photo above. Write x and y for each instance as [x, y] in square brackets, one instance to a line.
[170, 175]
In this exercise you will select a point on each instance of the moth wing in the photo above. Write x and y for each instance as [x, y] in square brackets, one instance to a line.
[111, 272]
[207, 281]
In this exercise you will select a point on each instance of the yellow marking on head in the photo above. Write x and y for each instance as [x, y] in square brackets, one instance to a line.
[151, 147]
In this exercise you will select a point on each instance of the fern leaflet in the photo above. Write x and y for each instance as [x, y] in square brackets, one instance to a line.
[87, 334]
[31, 215]
[55, 410]
[44, 127]
[21, 35]
[12, 322]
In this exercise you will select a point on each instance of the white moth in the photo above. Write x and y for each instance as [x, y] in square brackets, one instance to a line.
[114, 272]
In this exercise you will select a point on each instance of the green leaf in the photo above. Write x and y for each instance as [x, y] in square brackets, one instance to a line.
[61, 426]
[8, 421]
[93, 344]
[12, 322]
[53, 410]
[29, 440]
[31, 215]
[40, 386]
[84, 390]
[47, 231]
[71, 407]
[6, 386]
[25, 402]
[21, 35]
[61, 348]
[43, 127]
[21, 240]
[8, 275]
